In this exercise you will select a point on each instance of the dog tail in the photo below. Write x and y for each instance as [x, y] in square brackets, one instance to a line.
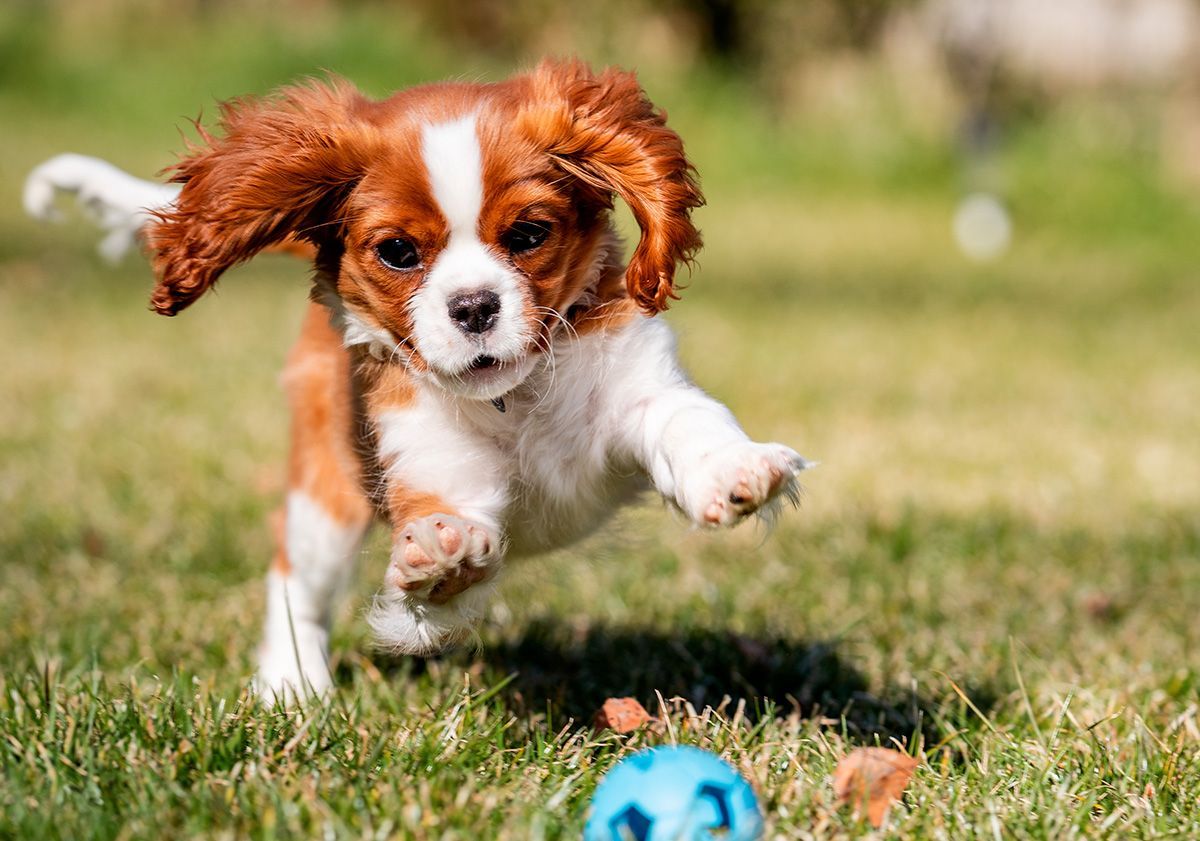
[119, 203]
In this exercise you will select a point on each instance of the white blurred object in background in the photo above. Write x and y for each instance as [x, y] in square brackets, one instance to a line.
[982, 227]
[1068, 45]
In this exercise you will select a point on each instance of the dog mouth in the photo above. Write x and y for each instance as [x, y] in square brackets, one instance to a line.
[485, 377]
[485, 370]
[484, 364]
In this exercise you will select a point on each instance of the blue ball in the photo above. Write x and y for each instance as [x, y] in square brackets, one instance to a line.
[673, 794]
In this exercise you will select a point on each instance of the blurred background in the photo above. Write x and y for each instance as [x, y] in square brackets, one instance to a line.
[952, 253]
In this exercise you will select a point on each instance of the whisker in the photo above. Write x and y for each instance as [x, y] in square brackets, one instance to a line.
[570, 328]
[544, 342]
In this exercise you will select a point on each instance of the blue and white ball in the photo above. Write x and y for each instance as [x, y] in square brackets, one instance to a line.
[673, 794]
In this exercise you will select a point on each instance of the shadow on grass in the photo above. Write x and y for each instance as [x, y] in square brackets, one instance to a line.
[568, 673]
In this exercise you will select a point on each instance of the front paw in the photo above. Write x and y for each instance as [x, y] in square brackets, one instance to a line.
[735, 481]
[439, 556]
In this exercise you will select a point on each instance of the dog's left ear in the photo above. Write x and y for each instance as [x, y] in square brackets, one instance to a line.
[603, 129]
[282, 169]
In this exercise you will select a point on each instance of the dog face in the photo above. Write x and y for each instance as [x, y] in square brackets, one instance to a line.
[464, 274]
[456, 225]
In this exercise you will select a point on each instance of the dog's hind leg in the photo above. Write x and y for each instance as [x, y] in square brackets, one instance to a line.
[323, 521]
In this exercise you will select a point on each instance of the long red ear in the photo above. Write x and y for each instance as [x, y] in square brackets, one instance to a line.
[607, 133]
[283, 167]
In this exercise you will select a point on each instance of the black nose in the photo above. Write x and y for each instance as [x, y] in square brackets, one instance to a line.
[475, 312]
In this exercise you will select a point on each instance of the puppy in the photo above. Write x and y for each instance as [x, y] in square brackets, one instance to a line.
[478, 367]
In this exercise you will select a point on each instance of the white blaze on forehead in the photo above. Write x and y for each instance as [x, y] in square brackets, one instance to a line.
[454, 162]
[452, 157]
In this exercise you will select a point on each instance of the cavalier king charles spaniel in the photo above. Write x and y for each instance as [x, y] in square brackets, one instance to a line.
[478, 366]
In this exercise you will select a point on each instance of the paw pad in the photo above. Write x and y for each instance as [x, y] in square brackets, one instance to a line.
[439, 556]
[739, 480]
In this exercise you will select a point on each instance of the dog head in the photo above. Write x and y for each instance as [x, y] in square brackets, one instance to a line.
[456, 225]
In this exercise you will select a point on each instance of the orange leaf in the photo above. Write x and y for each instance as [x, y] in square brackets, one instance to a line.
[871, 779]
[622, 715]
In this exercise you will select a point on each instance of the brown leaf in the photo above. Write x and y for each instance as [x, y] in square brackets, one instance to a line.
[1100, 606]
[94, 543]
[622, 715]
[871, 779]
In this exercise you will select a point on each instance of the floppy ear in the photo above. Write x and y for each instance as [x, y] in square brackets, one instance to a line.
[603, 130]
[282, 168]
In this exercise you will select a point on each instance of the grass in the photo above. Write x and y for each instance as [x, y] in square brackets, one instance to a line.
[997, 565]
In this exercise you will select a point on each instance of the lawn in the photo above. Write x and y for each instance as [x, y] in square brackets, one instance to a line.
[996, 566]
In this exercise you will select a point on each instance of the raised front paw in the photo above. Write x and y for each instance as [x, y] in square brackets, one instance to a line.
[738, 480]
[439, 556]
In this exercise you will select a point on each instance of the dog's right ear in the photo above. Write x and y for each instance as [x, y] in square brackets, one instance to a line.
[602, 129]
[283, 167]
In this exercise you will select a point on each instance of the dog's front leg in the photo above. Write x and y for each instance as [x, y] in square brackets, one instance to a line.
[446, 495]
[693, 448]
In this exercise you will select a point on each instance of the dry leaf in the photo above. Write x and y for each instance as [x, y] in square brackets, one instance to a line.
[622, 715]
[871, 779]
[1100, 606]
[94, 544]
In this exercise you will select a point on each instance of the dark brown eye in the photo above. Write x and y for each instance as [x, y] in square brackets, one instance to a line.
[525, 235]
[398, 254]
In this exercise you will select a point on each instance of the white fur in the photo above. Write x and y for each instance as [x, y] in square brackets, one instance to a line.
[453, 160]
[578, 437]
[118, 202]
[429, 446]
[455, 164]
[293, 659]
[357, 328]
[407, 624]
